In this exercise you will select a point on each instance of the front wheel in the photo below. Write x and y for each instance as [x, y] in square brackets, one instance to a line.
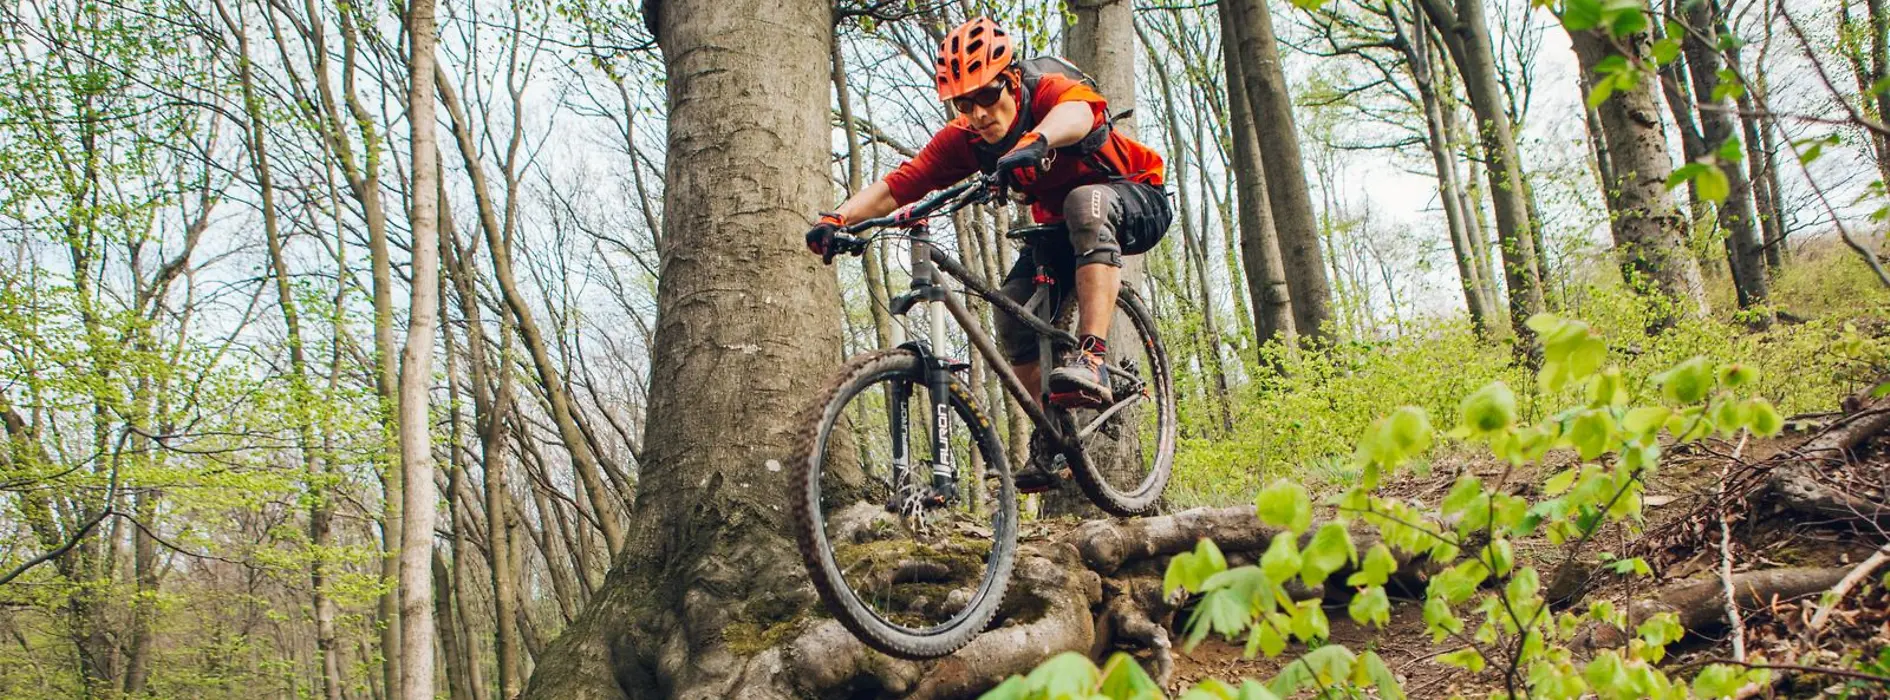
[910, 573]
[1127, 455]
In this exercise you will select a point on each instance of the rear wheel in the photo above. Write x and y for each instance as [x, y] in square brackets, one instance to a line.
[911, 577]
[1126, 459]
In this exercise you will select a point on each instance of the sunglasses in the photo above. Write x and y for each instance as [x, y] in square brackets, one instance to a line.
[982, 97]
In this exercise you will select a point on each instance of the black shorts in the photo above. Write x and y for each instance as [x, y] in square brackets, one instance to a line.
[1101, 222]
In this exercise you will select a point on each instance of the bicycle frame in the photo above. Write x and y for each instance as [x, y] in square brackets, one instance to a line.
[930, 289]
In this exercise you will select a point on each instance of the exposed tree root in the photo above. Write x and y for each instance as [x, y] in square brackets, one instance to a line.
[1701, 605]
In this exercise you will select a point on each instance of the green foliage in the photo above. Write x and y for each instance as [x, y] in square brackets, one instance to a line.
[1491, 602]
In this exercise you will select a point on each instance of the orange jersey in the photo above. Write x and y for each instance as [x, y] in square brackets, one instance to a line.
[952, 155]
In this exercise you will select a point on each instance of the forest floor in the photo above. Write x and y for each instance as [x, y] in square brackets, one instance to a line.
[1766, 536]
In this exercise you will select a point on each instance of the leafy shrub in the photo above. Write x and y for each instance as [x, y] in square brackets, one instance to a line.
[1486, 600]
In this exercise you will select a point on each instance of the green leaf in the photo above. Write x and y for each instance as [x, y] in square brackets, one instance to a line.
[1190, 570]
[1666, 50]
[1687, 383]
[1209, 689]
[1282, 559]
[1466, 658]
[1608, 389]
[1731, 151]
[1330, 549]
[1376, 568]
[1124, 679]
[1252, 690]
[1221, 611]
[1581, 15]
[1606, 675]
[1763, 419]
[1012, 688]
[1462, 495]
[1309, 621]
[1592, 434]
[1558, 483]
[1491, 409]
[1439, 619]
[1284, 504]
[1457, 583]
[1684, 173]
[1409, 430]
[1644, 421]
[1728, 86]
[1500, 555]
[1624, 17]
[1719, 681]
[1713, 185]
[1068, 674]
[1370, 605]
[1733, 375]
[1370, 669]
[1269, 639]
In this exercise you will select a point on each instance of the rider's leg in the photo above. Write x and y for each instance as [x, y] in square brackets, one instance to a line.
[1093, 214]
[1096, 288]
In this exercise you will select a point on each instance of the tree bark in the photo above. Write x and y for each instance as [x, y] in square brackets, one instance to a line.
[1418, 51]
[747, 159]
[876, 295]
[498, 234]
[1277, 138]
[416, 367]
[1259, 239]
[1467, 36]
[1649, 234]
[320, 512]
[1717, 127]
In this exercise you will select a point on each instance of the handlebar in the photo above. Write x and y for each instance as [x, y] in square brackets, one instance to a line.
[978, 189]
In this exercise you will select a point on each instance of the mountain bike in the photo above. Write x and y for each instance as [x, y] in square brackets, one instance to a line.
[909, 548]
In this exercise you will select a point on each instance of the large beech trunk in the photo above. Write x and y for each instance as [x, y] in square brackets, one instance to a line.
[1649, 233]
[1264, 82]
[747, 326]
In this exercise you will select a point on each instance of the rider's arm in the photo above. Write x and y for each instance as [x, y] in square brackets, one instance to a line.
[874, 201]
[1067, 123]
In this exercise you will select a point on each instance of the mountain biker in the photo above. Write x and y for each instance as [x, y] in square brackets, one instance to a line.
[1051, 142]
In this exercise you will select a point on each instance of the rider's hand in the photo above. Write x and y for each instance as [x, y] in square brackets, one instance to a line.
[820, 237]
[1021, 165]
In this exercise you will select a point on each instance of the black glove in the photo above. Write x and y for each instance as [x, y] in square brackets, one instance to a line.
[820, 237]
[1021, 165]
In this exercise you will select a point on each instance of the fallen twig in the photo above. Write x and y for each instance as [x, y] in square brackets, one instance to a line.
[1844, 586]
[1737, 620]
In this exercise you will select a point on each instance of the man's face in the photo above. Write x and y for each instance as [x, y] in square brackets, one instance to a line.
[989, 109]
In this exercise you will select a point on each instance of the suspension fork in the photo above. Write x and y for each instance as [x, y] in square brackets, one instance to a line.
[928, 288]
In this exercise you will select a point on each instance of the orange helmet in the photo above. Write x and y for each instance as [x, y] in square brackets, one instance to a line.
[972, 55]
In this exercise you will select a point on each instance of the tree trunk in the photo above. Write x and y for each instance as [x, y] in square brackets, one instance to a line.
[1467, 36]
[1679, 96]
[747, 158]
[498, 232]
[1649, 234]
[1756, 127]
[492, 399]
[1418, 51]
[876, 295]
[1103, 42]
[1717, 127]
[320, 511]
[1259, 240]
[1195, 237]
[416, 368]
[1278, 144]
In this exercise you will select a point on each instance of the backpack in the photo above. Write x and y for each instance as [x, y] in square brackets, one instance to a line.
[1089, 148]
[1032, 71]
